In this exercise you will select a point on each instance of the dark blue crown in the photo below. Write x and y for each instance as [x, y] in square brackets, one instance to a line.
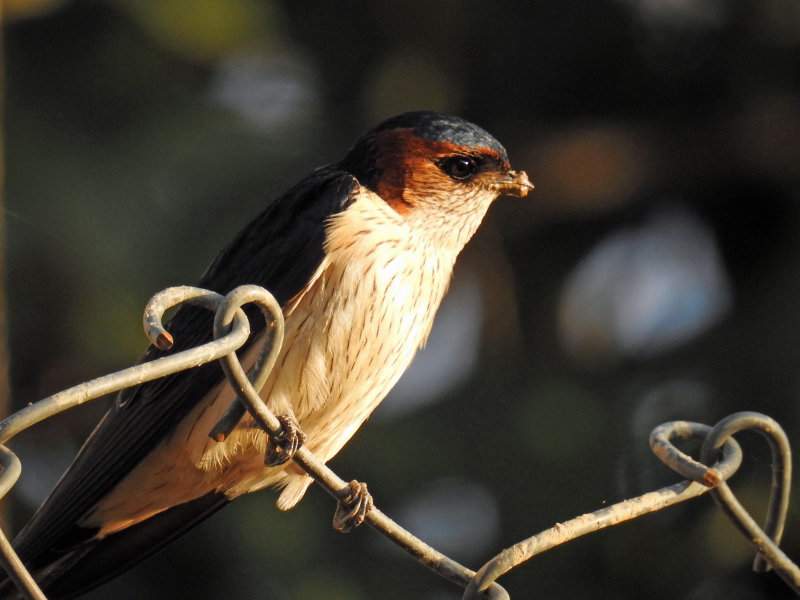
[440, 127]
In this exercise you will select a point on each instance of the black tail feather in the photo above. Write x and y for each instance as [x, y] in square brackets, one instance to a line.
[91, 563]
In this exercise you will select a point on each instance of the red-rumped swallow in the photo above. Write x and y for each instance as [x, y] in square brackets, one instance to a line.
[359, 255]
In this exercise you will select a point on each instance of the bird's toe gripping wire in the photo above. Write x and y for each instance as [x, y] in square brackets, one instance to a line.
[354, 503]
[283, 446]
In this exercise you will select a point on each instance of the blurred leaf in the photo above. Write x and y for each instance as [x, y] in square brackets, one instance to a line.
[12, 9]
[202, 30]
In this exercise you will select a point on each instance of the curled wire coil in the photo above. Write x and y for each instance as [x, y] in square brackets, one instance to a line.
[720, 456]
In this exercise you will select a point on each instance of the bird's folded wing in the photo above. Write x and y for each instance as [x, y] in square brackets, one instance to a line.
[279, 250]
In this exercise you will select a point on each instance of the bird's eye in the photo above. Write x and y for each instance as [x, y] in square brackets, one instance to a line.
[460, 167]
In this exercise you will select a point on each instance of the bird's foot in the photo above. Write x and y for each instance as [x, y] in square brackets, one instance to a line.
[351, 510]
[282, 447]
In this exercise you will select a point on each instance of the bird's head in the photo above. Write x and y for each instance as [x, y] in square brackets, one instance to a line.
[434, 168]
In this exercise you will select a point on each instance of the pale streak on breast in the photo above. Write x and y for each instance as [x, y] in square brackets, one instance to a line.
[350, 335]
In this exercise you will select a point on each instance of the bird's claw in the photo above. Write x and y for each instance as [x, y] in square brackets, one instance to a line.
[282, 447]
[351, 510]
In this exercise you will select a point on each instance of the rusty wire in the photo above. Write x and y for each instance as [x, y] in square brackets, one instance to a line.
[765, 540]
[701, 478]
[325, 477]
[721, 455]
[231, 331]
[107, 384]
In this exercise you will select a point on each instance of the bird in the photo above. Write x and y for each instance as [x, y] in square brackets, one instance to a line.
[359, 255]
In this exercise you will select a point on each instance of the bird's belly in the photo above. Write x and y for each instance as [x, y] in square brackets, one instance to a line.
[344, 349]
[346, 345]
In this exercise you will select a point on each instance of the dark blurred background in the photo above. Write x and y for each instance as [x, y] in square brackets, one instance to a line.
[654, 274]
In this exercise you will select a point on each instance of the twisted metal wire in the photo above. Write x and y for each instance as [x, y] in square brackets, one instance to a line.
[724, 455]
[721, 455]
[325, 477]
[765, 540]
[231, 330]
[107, 384]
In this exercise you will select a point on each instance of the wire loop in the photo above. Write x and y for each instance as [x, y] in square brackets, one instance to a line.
[765, 540]
[683, 464]
[232, 331]
[721, 455]
[718, 446]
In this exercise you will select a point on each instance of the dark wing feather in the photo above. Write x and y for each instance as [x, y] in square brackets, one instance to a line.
[101, 560]
[278, 250]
